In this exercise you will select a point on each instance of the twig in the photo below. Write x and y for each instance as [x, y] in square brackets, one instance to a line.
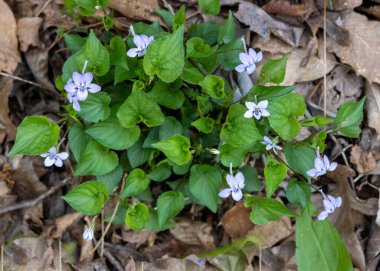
[25, 81]
[33, 202]
[168, 6]
[102, 239]
[112, 217]
[193, 14]
[315, 106]
[42, 8]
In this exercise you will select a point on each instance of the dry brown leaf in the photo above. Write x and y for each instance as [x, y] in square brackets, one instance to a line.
[342, 217]
[38, 63]
[136, 237]
[373, 248]
[373, 10]
[263, 24]
[136, 9]
[340, 5]
[6, 125]
[64, 222]
[236, 222]
[373, 105]
[28, 32]
[193, 233]
[363, 160]
[285, 7]
[9, 56]
[363, 53]
[170, 264]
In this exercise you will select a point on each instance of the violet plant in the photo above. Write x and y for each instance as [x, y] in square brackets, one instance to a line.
[155, 109]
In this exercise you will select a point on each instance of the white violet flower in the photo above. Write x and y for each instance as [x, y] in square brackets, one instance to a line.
[141, 41]
[248, 60]
[257, 110]
[270, 144]
[80, 84]
[330, 203]
[88, 233]
[236, 184]
[54, 158]
[321, 166]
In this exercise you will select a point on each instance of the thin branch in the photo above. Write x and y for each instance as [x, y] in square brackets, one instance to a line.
[24, 80]
[33, 202]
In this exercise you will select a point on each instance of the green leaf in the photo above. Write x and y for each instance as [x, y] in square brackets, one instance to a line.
[228, 54]
[96, 54]
[161, 172]
[78, 140]
[153, 222]
[230, 154]
[213, 85]
[273, 71]
[111, 179]
[179, 18]
[87, 198]
[182, 169]
[35, 136]
[251, 179]
[300, 158]
[118, 58]
[349, 118]
[275, 173]
[205, 181]
[166, 16]
[316, 121]
[69, 67]
[204, 125]
[74, 42]
[319, 246]
[239, 131]
[95, 108]
[211, 7]
[137, 216]
[137, 155]
[165, 57]
[227, 30]
[138, 107]
[283, 114]
[197, 48]
[191, 74]
[318, 140]
[204, 106]
[176, 148]
[171, 126]
[268, 92]
[96, 160]
[167, 95]
[208, 31]
[137, 181]
[112, 135]
[298, 192]
[169, 204]
[266, 209]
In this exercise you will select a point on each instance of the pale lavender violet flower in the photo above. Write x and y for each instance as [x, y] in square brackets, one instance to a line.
[80, 84]
[248, 60]
[321, 166]
[141, 41]
[257, 110]
[236, 184]
[270, 144]
[330, 203]
[54, 158]
[73, 98]
[88, 233]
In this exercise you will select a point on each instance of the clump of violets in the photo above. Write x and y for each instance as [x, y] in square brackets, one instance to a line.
[79, 85]
[248, 60]
[330, 203]
[257, 110]
[141, 41]
[270, 145]
[236, 184]
[52, 157]
[321, 166]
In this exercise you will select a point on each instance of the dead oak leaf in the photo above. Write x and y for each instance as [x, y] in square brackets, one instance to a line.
[28, 32]
[136, 9]
[363, 53]
[363, 160]
[373, 105]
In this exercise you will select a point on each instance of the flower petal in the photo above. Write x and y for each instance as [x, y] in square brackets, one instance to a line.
[245, 59]
[240, 68]
[133, 52]
[268, 147]
[49, 161]
[141, 53]
[77, 78]
[312, 172]
[63, 155]
[333, 166]
[268, 140]
[263, 104]
[251, 68]
[329, 207]
[87, 78]
[138, 41]
[82, 95]
[225, 193]
[252, 54]
[248, 114]
[46, 154]
[326, 161]
[278, 147]
[71, 88]
[323, 215]
[58, 162]
[231, 180]
[93, 88]
[250, 105]
[52, 150]
[76, 106]
[257, 115]
[239, 177]
[265, 113]
[318, 163]
[238, 195]
[259, 56]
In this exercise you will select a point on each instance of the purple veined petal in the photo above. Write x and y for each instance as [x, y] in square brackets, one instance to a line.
[231, 180]
[312, 172]
[248, 114]
[150, 39]
[333, 166]
[268, 147]
[329, 207]
[245, 59]
[46, 154]
[252, 54]
[240, 68]
[145, 39]
[87, 78]
[82, 95]
[326, 161]
[58, 162]
[93, 88]
[225, 193]
[323, 215]
[278, 147]
[251, 68]
[268, 140]
[263, 104]
[77, 78]
[133, 52]
[239, 177]
[76, 106]
[265, 113]
[49, 161]
[70, 97]
[257, 115]
[318, 164]
[259, 56]
[237, 195]
[138, 41]
[52, 150]
[63, 155]
[71, 88]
